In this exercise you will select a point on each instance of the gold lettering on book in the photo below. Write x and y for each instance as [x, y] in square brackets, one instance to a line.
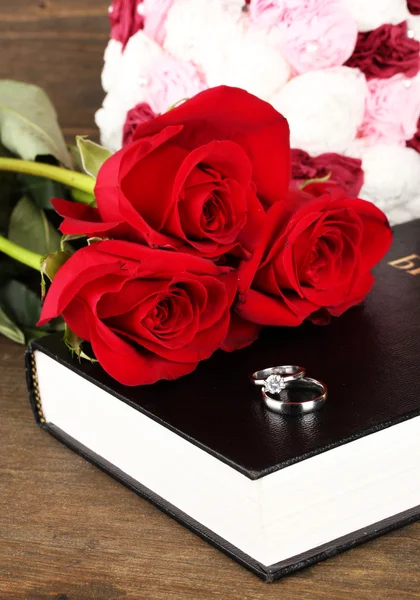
[408, 263]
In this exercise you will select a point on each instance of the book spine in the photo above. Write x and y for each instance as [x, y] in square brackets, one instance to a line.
[33, 386]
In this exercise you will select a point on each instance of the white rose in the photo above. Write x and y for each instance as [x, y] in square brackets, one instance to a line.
[371, 14]
[200, 31]
[110, 125]
[112, 64]
[233, 7]
[392, 179]
[250, 63]
[413, 24]
[139, 54]
[324, 108]
[406, 212]
[129, 88]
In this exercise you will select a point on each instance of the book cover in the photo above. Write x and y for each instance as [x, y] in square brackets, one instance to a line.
[369, 360]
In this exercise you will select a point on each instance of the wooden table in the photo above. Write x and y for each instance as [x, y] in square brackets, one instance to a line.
[69, 532]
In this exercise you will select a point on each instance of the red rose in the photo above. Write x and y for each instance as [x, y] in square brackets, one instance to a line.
[345, 171]
[125, 19]
[316, 255]
[149, 314]
[194, 177]
[136, 116]
[414, 6]
[386, 51]
[226, 113]
[415, 140]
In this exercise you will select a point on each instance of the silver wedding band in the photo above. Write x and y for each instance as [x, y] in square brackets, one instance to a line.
[274, 403]
[274, 380]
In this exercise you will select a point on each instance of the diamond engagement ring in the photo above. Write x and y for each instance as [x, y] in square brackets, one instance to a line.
[274, 379]
[296, 388]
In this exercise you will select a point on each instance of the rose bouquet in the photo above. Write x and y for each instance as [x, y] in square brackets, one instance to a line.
[343, 72]
[197, 239]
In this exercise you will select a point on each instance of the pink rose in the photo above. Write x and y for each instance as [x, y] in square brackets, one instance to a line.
[270, 13]
[385, 52]
[345, 171]
[391, 111]
[171, 80]
[266, 13]
[317, 36]
[136, 116]
[155, 13]
[126, 19]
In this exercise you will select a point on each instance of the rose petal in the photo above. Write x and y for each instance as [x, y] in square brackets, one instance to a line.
[81, 219]
[269, 310]
[241, 333]
[224, 113]
[132, 365]
[134, 293]
[364, 285]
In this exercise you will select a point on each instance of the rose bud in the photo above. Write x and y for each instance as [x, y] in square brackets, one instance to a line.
[136, 116]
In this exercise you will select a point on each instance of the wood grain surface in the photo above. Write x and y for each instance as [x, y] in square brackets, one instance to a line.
[59, 45]
[68, 531]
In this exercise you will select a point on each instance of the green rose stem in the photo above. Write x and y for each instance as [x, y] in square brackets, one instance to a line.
[77, 181]
[84, 197]
[24, 256]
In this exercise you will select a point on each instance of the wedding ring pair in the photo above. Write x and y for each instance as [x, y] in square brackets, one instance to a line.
[274, 380]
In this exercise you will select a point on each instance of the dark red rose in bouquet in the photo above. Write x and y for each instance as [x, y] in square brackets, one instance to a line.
[415, 140]
[125, 19]
[414, 6]
[314, 258]
[194, 178]
[149, 314]
[136, 116]
[345, 171]
[386, 51]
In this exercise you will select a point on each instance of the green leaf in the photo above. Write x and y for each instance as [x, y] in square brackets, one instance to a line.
[21, 303]
[10, 329]
[34, 334]
[28, 123]
[50, 266]
[93, 156]
[177, 103]
[22, 308]
[39, 332]
[315, 180]
[74, 344]
[76, 157]
[68, 237]
[95, 240]
[30, 228]
[10, 268]
[41, 190]
[8, 194]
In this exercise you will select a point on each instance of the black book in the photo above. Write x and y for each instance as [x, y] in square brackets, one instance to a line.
[274, 492]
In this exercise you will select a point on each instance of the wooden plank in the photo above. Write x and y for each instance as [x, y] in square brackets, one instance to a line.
[69, 532]
[67, 528]
[59, 47]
